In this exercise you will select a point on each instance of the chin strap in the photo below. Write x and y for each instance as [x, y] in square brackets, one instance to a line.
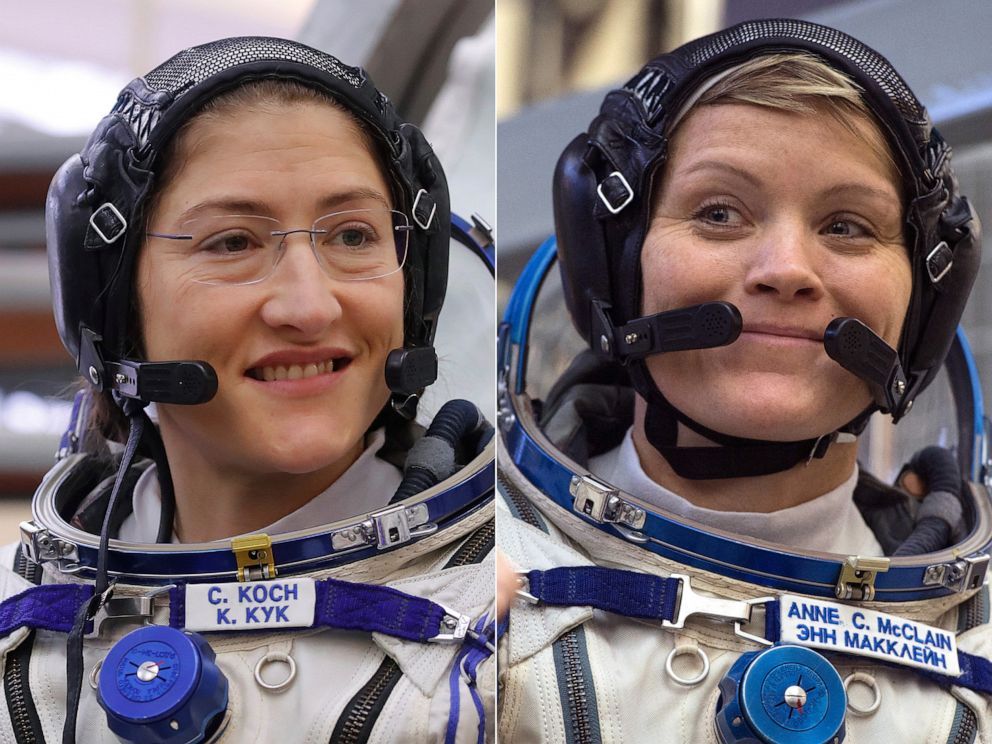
[847, 341]
[735, 457]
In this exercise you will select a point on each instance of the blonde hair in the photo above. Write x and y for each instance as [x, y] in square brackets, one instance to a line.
[800, 83]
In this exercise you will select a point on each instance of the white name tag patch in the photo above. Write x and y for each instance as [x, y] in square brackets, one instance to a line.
[253, 605]
[855, 630]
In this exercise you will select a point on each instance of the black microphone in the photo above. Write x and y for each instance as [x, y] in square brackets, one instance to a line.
[859, 350]
[696, 327]
[186, 382]
[408, 371]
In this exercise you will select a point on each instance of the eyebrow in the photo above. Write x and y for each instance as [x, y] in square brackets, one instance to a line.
[863, 190]
[257, 207]
[854, 188]
[720, 165]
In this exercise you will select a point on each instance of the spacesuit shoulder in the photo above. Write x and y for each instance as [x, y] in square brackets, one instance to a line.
[11, 582]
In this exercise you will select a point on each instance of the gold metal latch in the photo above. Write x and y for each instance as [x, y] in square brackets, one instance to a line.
[857, 577]
[254, 556]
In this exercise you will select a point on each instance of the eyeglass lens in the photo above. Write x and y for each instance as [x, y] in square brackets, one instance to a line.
[241, 249]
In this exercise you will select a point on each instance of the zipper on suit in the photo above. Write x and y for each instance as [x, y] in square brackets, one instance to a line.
[521, 505]
[580, 712]
[355, 724]
[20, 705]
[964, 729]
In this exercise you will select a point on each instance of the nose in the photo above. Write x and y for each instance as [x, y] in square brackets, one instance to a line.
[784, 265]
[300, 295]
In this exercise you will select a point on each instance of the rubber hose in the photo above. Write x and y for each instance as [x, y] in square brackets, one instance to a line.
[938, 467]
[455, 420]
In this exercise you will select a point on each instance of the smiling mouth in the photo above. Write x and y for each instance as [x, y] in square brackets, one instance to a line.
[297, 371]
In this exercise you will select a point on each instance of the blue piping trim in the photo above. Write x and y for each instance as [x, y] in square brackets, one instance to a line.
[454, 701]
[978, 414]
[445, 509]
[777, 569]
[466, 662]
[462, 233]
[521, 304]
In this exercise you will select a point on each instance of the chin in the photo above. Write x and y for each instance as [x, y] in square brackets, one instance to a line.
[305, 461]
[778, 413]
[310, 449]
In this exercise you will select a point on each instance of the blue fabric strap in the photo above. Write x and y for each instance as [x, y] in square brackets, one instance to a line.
[340, 604]
[347, 605]
[48, 607]
[626, 593]
[376, 609]
[646, 596]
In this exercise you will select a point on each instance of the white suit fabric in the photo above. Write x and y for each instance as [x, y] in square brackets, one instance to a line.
[831, 522]
[556, 662]
[332, 666]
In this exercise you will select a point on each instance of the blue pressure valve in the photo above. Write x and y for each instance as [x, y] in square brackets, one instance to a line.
[781, 695]
[160, 685]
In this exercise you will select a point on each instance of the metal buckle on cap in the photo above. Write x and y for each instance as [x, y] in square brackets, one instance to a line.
[454, 626]
[41, 546]
[523, 589]
[139, 609]
[623, 182]
[737, 611]
[430, 218]
[941, 250]
[121, 223]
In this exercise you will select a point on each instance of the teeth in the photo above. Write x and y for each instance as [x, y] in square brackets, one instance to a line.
[297, 371]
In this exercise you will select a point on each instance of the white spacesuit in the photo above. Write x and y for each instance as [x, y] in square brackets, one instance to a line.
[357, 617]
[644, 617]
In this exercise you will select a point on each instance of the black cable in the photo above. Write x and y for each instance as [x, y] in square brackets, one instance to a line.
[74, 644]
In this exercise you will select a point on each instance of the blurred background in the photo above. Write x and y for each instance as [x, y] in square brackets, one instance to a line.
[557, 59]
[62, 63]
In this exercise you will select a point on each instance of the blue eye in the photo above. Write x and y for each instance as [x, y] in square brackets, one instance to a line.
[235, 243]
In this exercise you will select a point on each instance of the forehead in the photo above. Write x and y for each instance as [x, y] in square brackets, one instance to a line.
[290, 155]
[824, 143]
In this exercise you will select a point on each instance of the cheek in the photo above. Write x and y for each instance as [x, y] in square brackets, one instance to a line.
[878, 294]
[176, 316]
[375, 309]
[676, 273]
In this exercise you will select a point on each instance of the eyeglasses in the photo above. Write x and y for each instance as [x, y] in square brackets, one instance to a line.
[353, 245]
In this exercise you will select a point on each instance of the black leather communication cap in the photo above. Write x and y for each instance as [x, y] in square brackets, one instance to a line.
[94, 215]
[604, 182]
